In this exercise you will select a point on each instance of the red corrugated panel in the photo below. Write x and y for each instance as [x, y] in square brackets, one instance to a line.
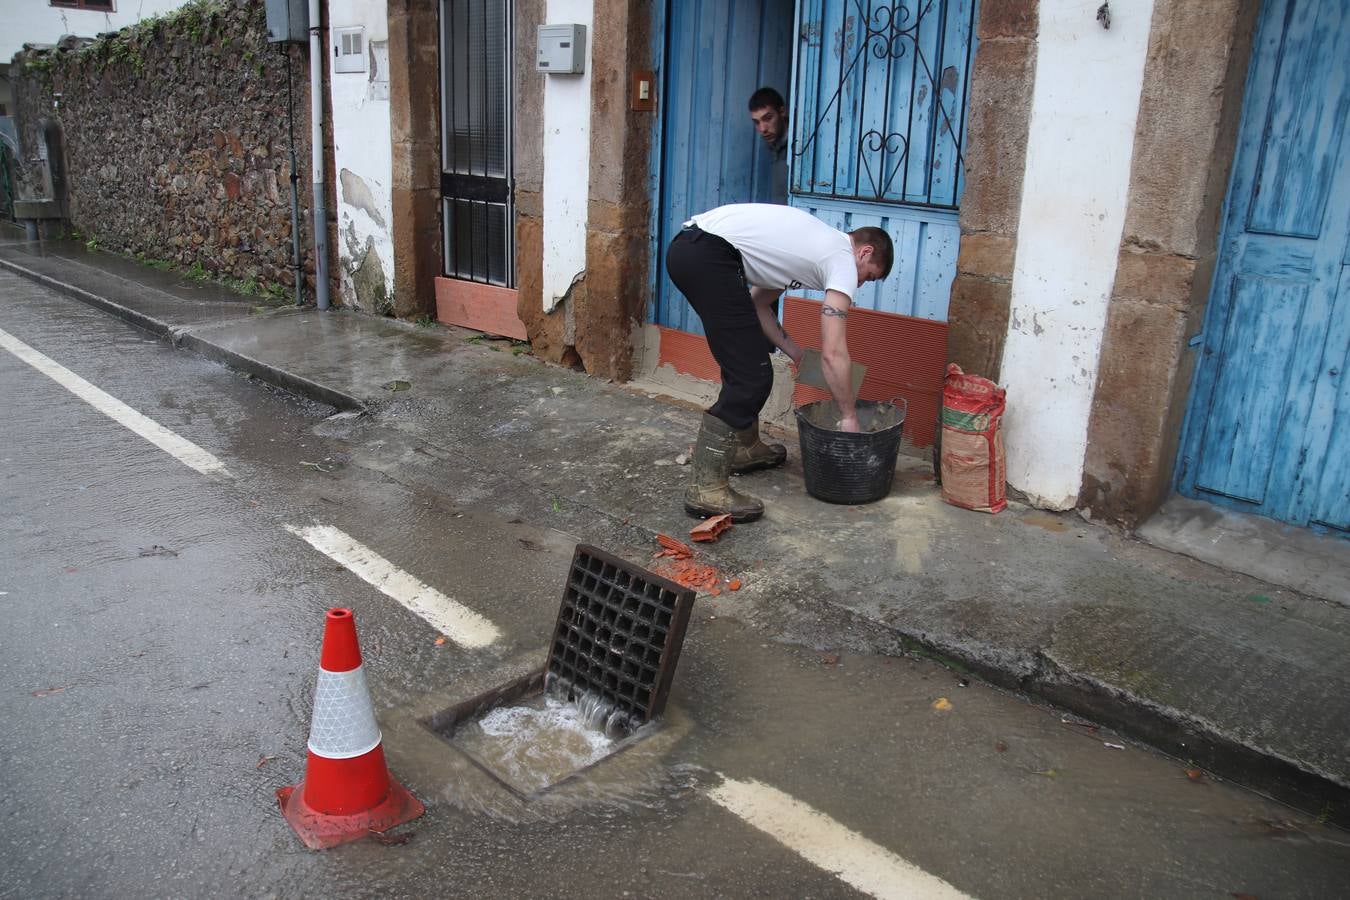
[905, 357]
[688, 353]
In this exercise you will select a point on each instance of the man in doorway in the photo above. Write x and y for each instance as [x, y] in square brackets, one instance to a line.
[732, 263]
[769, 114]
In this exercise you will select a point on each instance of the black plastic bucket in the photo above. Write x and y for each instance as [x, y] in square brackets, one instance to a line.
[842, 467]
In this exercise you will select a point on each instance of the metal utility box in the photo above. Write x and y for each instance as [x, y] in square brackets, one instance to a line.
[287, 21]
[562, 49]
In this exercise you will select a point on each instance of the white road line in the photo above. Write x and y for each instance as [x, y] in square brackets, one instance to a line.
[449, 617]
[186, 452]
[826, 843]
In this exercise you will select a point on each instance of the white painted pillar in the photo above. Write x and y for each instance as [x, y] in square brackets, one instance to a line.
[567, 159]
[1081, 142]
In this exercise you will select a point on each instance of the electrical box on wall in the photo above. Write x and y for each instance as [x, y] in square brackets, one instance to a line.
[562, 49]
[287, 21]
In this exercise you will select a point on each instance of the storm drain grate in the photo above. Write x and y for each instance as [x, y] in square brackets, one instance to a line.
[619, 633]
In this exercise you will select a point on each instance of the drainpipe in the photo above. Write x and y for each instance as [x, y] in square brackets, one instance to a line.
[317, 59]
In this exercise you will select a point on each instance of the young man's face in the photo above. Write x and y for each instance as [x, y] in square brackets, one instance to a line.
[868, 268]
[770, 122]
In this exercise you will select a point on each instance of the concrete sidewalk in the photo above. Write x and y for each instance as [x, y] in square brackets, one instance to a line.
[1246, 680]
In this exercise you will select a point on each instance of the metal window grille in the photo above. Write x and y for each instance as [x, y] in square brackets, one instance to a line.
[477, 212]
[881, 94]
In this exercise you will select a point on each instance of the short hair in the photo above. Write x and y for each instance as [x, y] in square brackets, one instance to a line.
[883, 251]
[765, 97]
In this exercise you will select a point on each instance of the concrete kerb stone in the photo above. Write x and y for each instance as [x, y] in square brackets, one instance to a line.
[157, 327]
[1040, 676]
[196, 340]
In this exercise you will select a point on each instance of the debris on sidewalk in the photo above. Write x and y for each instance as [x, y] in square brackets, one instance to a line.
[157, 550]
[672, 547]
[942, 704]
[685, 571]
[710, 529]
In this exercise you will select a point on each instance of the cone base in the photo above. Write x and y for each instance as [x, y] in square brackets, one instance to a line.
[319, 831]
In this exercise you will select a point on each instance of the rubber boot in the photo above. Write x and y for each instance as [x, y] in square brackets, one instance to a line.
[709, 492]
[751, 453]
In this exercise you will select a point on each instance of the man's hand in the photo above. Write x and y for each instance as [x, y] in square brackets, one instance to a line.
[850, 424]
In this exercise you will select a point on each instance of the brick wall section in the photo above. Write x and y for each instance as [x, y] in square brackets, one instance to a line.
[176, 139]
[995, 161]
[1184, 143]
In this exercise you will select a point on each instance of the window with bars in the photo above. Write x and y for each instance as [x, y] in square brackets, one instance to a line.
[477, 212]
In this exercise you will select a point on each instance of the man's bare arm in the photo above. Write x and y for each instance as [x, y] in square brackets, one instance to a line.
[763, 299]
[834, 358]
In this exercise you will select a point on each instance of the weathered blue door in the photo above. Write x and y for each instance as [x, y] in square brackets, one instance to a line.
[877, 132]
[718, 52]
[1268, 429]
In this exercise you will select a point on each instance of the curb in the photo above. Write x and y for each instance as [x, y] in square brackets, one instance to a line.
[1180, 735]
[186, 339]
[157, 327]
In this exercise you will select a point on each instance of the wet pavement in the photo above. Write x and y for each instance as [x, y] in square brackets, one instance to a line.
[163, 637]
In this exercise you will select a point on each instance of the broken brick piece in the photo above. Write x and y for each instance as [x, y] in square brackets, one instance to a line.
[679, 549]
[711, 528]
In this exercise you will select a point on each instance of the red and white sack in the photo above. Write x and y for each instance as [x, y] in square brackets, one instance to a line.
[974, 472]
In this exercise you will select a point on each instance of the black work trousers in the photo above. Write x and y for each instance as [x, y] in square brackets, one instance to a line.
[709, 272]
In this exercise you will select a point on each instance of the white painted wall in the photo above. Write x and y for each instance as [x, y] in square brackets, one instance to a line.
[363, 143]
[567, 159]
[1083, 111]
[37, 22]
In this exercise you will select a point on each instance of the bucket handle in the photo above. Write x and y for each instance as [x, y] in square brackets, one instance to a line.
[904, 404]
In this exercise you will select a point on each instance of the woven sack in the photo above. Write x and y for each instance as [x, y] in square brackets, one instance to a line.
[974, 472]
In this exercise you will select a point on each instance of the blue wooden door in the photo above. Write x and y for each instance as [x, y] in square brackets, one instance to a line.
[718, 52]
[1269, 418]
[877, 132]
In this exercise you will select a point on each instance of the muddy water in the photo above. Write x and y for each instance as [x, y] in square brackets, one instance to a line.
[534, 744]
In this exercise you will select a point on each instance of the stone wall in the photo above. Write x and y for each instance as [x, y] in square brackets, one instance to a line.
[1001, 83]
[1184, 145]
[176, 139]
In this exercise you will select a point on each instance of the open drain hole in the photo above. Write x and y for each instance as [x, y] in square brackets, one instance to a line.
[606, 680]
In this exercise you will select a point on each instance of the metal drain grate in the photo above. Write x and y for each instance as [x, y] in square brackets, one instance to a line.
[619, 633]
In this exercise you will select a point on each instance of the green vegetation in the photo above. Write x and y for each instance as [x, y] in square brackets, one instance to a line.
[425, 320]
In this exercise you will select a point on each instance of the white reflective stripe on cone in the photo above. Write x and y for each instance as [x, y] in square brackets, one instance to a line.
[344, 720]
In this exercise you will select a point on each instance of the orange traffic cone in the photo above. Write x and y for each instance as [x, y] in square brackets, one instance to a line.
[347, 791]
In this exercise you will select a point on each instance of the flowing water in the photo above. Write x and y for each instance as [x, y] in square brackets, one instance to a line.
[541, 741]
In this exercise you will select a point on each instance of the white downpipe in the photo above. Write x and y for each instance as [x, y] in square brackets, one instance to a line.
[318, 58]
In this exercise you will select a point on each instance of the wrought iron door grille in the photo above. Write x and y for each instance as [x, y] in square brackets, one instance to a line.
[881, 88]
[477, 212]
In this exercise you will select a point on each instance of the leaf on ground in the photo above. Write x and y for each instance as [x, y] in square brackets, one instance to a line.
[830, 659]
[47, 692]
[440, 640]
[396, 385]
[264, 760]
[942, 704]
[734, 584]
[1048, 773]
[1000, 747]
[1195, 775]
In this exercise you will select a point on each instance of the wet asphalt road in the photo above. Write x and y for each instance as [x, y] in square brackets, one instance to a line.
[160, 643]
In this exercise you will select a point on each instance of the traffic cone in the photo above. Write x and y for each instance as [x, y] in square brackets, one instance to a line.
[347, 791]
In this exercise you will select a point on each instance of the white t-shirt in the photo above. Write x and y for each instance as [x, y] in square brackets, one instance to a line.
[785, 247]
